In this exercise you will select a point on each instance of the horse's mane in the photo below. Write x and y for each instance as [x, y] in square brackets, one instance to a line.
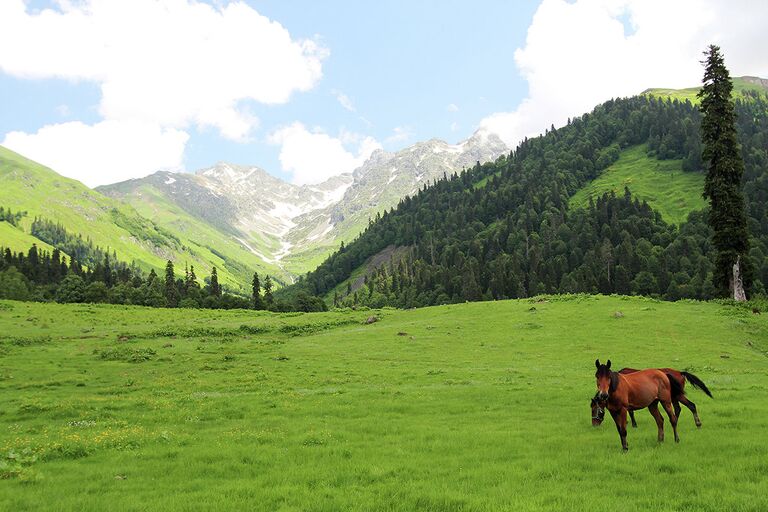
[614, 382]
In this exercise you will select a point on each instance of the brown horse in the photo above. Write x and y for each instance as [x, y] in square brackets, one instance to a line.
[638, 390]
[598, 409]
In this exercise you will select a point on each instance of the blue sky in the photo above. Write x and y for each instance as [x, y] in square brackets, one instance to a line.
[335, 80]
[401, 64]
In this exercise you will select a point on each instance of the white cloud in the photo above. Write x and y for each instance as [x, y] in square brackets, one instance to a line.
[106, 152]
[452, 107]
[167, 64]
[344, 100]
[171, 62]
[313, 157]
[454, 126]
[577, 54]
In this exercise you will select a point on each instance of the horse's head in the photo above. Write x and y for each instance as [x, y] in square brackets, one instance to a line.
[598, 411]
[603, 376]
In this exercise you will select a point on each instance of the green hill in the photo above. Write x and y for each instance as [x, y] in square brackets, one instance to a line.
[26, 185]
[467, 407]
[741, 87]
[212, 243]
[662, 183]
[517, 227]
[17, 239]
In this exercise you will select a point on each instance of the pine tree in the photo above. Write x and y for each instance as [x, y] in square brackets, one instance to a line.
[171, 292]
[192, 279]
[107, 271]
[268, 299]
[55, 271]
[256, 292]
[723, 182]
[215, 288]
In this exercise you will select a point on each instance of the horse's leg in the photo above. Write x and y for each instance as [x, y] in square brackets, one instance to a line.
[672, 418]
[632, 417]
[620, 418]
[654, 410]
[676, 405]
[692, 406]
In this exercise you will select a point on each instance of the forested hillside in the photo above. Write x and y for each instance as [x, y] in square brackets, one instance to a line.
[505, 229]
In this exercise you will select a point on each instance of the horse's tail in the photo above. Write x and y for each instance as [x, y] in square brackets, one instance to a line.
[674, 384]
[697, 383]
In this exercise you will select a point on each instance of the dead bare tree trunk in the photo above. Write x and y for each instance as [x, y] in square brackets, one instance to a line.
[737, 284]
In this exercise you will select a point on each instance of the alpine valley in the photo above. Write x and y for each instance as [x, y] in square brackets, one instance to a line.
[237, 218]
[431, 223]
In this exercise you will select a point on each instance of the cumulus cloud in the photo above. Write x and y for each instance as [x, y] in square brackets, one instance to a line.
[169, 64]
[106, 152]
[578, 54]
[452, 107]
[314, 156]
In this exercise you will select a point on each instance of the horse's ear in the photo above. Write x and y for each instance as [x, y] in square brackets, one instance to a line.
[608, 364]
[597, 363]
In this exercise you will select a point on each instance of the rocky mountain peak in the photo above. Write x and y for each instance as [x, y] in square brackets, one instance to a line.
[277, 220]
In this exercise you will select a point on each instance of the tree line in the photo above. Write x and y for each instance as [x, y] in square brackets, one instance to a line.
[41, 275]
[11, 217]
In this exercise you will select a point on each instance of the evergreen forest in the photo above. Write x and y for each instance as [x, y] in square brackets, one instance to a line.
[504, 229]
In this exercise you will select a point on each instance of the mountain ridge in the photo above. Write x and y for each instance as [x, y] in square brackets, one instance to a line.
[294, 227]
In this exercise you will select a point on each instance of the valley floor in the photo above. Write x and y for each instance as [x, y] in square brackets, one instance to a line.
[480, 406]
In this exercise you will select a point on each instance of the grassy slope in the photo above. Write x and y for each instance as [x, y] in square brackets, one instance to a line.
[478, 406]
[662, 183]
[17, 239]
[27, 185]
[739, 87]
[199, 235]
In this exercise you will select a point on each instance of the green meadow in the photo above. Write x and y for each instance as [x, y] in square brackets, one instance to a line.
[741, 86]
[662, 183]
[479, 406]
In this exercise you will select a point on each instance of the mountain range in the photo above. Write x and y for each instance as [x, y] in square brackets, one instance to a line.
[237, 218]
[292, 228]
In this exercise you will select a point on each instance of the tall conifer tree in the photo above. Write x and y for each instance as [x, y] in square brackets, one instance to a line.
[171, 293]
[256, 292]
[723, 182]
[215, 288]
[268, 299]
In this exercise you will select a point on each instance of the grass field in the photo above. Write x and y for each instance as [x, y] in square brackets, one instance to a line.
[480, 406]
[669, 190]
